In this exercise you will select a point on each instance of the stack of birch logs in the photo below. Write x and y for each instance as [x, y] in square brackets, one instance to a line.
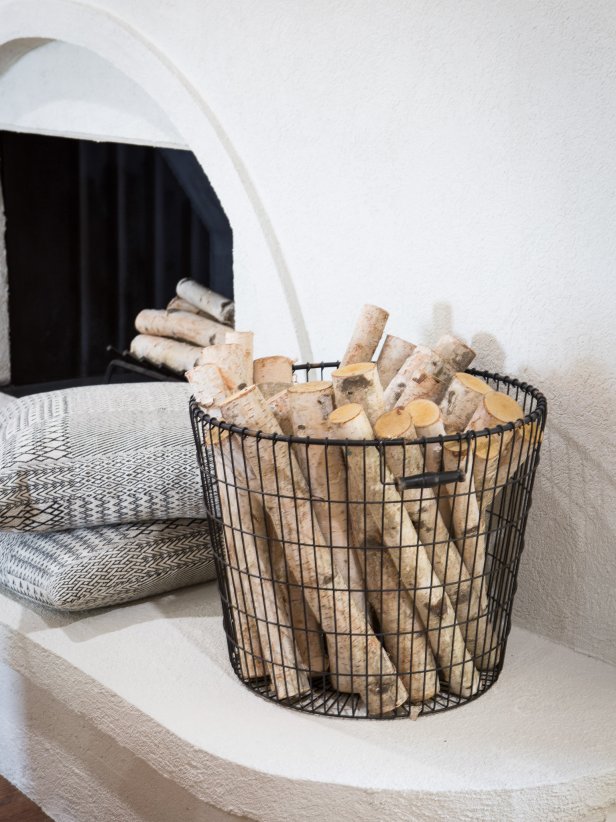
[175, 337]
[331, 569]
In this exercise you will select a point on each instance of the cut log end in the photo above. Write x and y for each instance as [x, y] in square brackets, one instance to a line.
[394, 425]
[423, 412]
[345, 413]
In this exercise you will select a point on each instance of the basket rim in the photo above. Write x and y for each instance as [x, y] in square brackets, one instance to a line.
[538, 414]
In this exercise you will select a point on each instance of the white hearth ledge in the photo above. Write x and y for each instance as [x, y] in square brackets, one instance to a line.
[134, 713]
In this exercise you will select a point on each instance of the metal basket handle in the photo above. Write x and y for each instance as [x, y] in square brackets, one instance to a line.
[430, 479]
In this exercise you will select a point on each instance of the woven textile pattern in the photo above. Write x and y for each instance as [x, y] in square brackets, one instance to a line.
[95, 567]
[98, 455]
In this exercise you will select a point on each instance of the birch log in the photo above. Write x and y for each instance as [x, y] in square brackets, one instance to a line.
[280, 407]
[285, 495]
[427, 421]
[393, 354]
[360, 383]
[366, 335]
[246, 539]
[245, 339]
[176, 356]
[180, 325]
[461, 400]
[271, 371]
[178, 304]
[306, 631]
[456, 353]
[207, 301]
[230, 358]
[496, 408]
[469, 601]
[423, 375]
[403, 633]
[324, 469]
[465, 513]
[210, 387]
[414, 567]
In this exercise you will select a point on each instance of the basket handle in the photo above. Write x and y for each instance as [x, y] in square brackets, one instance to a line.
[429, 480]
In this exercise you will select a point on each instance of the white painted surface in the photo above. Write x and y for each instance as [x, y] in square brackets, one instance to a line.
[453, 162]
[73, 92]
[5, 353]
[154, 678]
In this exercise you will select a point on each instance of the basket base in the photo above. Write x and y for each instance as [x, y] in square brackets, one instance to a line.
[327, 701]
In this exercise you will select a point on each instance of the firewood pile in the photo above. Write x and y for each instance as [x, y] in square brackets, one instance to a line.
[174, 338]
[332, 570]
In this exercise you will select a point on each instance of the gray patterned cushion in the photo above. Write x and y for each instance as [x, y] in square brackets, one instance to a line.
[98, 455]
[93, 567]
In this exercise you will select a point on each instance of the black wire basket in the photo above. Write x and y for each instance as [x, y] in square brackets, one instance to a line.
[369, 578]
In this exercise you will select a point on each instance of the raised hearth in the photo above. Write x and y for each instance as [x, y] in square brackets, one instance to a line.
[149, 688]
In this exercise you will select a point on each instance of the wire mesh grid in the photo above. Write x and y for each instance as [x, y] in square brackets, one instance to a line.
[369, 578]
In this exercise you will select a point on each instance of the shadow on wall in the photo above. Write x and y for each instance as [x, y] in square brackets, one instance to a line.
[567, 574]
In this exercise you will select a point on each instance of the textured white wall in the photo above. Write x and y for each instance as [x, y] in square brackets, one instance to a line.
[5, 364]
[452, 162]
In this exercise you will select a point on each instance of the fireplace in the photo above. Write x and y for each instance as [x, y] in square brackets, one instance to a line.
[94, 233]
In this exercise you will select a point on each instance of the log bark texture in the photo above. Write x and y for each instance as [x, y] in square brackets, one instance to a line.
[178, 304]
[245, 339]
[231, 360]
[176, 356]
[210, 387]
[408, 553]
[207, 301]
[360, 383]
[324, 470]
[403, 633]
[249, 556]
[276, 369]
[180, 325]
[366, 335]
[286, 499]
[280, 407]
[424, 375]
[469, 601]
[461, 400]
[394, 352]
[456, 353]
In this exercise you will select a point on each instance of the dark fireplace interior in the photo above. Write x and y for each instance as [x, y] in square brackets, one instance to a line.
[94, 233]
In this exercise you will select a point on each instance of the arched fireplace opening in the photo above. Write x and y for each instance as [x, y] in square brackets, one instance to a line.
[94, 233]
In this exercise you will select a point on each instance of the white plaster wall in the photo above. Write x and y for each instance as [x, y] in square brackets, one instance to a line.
[451, 161]
[5, 359]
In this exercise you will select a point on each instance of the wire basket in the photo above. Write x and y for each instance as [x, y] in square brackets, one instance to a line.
[343, 600]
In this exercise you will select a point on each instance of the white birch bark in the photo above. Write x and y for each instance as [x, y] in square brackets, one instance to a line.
[394, 352]
[246, 539]
[366, 335]
[245, 339]
[176, 356]
[276, 369]
[180, 325]
[424, 375]
[207, 301]
[455, 352]
[461, 400]
[285, 495]
[408, 553]
[469, 601]
[230, 358]
[360, 383]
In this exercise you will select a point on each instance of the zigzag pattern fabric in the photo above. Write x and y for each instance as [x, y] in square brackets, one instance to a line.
[95, 567]
[98, 455]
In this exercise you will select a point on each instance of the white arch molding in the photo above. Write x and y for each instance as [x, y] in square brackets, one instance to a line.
[261, 276]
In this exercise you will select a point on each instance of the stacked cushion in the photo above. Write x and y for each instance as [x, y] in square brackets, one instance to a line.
[100, 495]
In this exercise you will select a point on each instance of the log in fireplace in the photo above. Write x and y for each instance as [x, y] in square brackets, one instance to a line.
[94, 233]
